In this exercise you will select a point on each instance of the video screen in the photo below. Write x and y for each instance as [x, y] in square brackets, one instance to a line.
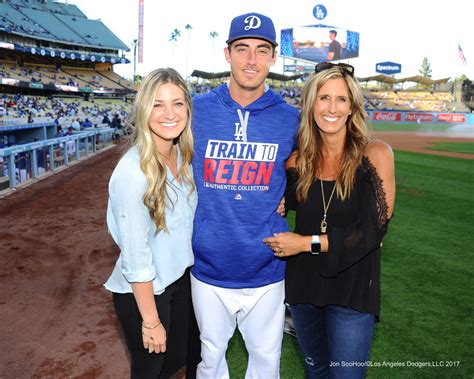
[318, 43]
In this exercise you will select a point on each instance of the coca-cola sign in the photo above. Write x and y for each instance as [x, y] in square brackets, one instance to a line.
[387, 116]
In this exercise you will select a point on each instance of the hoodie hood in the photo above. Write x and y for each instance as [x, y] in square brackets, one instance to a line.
[269, 99]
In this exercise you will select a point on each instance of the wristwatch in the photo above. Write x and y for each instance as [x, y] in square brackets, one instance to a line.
[315, 245]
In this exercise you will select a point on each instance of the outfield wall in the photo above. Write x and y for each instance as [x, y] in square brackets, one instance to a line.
[422, 117]
[21, 163]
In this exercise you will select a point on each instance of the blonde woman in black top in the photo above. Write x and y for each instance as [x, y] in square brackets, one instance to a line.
[342, 186]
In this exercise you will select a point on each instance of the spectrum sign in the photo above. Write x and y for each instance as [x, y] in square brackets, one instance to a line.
[388, 68]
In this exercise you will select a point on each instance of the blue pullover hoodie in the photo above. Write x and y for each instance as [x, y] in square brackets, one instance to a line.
[239, 169]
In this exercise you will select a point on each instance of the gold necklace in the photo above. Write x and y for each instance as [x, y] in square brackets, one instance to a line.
[324, 224]
[169, 158]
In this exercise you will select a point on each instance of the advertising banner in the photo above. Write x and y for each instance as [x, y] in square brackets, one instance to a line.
[419, 117]
[388, 68]
[387, 116]
[451, 117]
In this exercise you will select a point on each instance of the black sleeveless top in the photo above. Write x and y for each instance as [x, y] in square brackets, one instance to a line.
[349, 273]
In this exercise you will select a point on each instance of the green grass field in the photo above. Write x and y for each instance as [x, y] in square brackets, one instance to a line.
[456, 147]
[410, 127]
[426, 328]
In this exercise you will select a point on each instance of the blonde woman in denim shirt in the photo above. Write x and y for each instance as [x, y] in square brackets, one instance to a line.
[151, 206]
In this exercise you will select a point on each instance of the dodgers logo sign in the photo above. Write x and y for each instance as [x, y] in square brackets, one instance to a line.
[253, 22]
[320, 12]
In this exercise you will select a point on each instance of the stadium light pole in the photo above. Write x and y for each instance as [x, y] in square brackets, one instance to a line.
[188, 28]
[213, 35]
[135, 61]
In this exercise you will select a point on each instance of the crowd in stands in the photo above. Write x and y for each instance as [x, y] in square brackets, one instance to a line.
[65, 112]
[408, 100]
[291, 95]
[57, 75]
[201, 89]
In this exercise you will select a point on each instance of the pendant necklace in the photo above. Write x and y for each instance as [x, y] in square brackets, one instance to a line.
[169, 162]
[324, 224]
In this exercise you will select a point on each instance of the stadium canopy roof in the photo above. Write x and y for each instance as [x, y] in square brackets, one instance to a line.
[424, 80]
[226, 74]
[416, 79]
[56, 22]
[284, 78]
[379, 78]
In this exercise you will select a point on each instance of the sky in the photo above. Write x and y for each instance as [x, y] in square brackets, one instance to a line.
[400, 31]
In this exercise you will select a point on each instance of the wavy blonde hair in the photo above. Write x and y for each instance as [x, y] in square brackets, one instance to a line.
[309, 160]
[156, 197]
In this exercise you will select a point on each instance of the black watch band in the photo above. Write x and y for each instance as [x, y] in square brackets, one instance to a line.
[315, 245]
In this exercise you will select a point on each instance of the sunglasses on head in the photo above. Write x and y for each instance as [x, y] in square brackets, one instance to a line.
[345, 68]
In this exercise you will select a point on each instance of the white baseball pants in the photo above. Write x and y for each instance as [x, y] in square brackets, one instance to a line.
[259, 314]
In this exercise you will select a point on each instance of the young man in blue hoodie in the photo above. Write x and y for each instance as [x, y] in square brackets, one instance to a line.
[244, 133]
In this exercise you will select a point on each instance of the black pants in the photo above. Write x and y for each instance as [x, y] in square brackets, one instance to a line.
[194, 346]
[175, 309]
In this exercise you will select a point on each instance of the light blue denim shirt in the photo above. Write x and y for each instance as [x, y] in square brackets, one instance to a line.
[145, 255]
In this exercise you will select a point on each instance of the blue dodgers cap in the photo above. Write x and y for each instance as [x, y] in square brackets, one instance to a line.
[252, 25]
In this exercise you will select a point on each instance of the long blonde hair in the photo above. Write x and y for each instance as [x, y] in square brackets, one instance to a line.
[309, 160]
[156, 195]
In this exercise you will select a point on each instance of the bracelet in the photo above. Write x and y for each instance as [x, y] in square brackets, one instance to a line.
[151, 327]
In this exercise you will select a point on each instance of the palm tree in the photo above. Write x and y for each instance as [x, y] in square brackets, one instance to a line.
[213, 35]
[175, 34]
[188, 28]
[174, 38]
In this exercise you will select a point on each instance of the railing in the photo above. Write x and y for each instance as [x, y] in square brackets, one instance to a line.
[37, 158]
